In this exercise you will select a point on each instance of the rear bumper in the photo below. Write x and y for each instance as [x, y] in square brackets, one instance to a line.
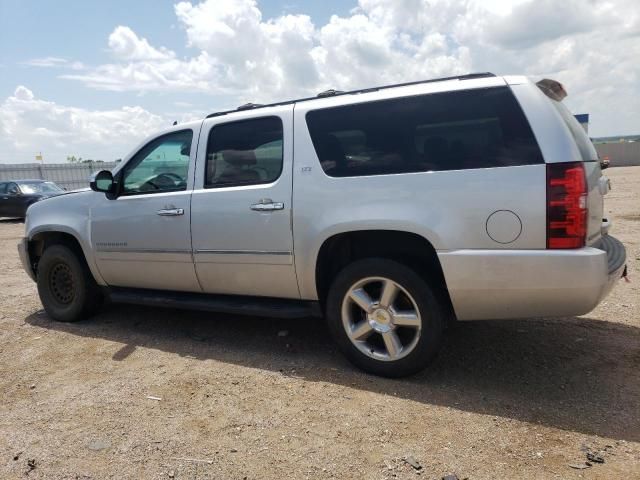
[23, 251]
[486, 284]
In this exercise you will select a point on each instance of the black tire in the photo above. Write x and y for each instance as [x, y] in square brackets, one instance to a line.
[429, 308]
[66, 287]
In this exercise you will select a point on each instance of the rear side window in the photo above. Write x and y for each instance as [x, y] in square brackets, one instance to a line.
[587, 150]
[247, 152]
[442, 131]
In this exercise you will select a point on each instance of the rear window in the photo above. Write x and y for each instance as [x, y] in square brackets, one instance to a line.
[443, 131]
[587, 150]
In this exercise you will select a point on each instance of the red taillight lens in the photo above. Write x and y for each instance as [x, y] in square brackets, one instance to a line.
[566, 205]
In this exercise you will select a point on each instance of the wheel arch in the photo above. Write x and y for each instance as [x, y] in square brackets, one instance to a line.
[408, 248]
[41, 238]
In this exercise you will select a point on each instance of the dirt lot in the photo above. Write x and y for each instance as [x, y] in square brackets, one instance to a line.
[505, 399]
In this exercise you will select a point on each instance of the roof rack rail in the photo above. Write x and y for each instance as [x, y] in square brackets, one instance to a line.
[332, 92]
[249, 106]
[329, 93]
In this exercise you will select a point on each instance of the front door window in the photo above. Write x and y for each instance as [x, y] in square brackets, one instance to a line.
[160, 166]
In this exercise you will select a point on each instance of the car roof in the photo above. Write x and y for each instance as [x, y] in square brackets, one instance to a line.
[337, 93]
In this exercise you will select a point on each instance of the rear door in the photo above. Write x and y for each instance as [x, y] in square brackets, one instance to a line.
[241, 207]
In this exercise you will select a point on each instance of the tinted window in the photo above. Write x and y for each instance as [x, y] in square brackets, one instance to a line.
[442, 131]
[160, 166]
[3, 187]
[12, 189]
[244, 153]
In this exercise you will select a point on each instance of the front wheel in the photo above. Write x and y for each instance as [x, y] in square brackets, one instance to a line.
[384, 317]
[67, 290]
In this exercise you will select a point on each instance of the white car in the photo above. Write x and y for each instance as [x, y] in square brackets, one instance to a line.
[388, 210]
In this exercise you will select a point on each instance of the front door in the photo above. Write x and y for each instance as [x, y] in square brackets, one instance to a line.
[241, 206]
[4, 200]
[13, 201]
[142, 238]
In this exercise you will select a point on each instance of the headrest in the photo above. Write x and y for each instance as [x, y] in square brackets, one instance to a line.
[239, 158]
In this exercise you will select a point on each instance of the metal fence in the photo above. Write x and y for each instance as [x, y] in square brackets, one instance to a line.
[623, 154]
[68, 175]
[76, 175]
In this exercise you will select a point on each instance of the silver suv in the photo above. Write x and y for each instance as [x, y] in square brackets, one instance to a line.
[389, 211]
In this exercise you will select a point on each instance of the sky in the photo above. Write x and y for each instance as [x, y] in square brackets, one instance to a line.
[92, 79]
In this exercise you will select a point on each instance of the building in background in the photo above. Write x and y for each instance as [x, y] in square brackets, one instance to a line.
[583, 119]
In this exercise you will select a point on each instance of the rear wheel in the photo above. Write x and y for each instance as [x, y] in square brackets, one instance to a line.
[66, 287]
[384, 317]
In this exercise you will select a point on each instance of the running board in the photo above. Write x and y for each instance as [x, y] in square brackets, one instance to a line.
[233, 304]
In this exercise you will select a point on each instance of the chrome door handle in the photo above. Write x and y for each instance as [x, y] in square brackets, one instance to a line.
[170, 212]
[267, 205]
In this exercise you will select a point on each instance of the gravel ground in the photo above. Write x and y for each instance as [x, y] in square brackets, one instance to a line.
[145, 393]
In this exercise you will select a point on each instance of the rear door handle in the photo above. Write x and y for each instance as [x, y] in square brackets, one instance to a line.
[170, 212]
[267, 205]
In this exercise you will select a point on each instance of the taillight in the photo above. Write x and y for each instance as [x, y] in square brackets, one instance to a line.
[566, 205]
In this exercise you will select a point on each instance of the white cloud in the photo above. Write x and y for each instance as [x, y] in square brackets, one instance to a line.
[46, 62]
[29, 124]
[126, 45]
[592, 47]
[241, 53]
[534, 23]
[51, 62]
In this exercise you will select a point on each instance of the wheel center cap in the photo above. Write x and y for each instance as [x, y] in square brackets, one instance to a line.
[380, 320]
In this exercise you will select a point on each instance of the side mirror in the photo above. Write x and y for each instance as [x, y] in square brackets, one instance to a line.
[103, 182]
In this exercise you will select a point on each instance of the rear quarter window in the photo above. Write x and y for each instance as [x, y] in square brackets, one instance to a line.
[444, 131]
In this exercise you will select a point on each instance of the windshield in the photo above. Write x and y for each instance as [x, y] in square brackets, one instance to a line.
[40, 187]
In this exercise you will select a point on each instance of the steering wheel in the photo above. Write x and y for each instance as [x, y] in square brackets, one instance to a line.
[174, 178]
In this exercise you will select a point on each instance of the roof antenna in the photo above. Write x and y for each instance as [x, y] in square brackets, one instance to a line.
[175, 122]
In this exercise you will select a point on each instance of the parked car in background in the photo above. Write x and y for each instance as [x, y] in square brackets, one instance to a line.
[18, 195]
[388, 210]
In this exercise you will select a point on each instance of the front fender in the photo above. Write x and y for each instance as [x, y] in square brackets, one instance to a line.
[84, 245]
[66, 214]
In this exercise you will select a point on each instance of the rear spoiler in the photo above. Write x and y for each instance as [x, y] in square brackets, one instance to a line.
[552, 89]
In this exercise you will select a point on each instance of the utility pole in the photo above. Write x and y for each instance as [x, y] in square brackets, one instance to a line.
[40, 160]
